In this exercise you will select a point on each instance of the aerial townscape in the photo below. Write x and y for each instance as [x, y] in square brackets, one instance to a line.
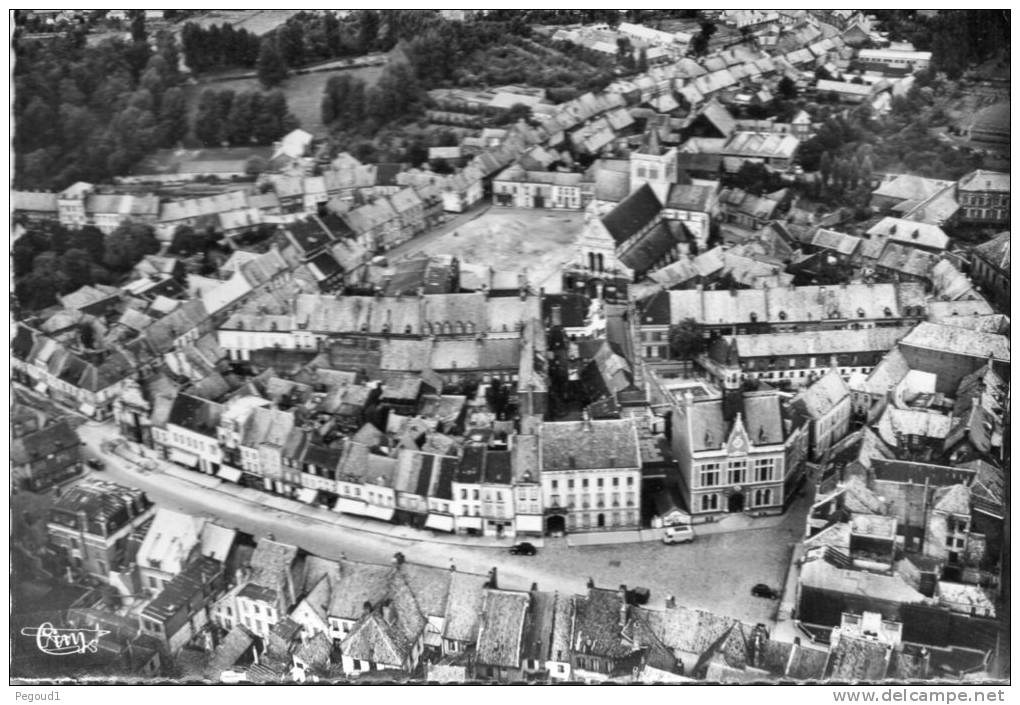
[418, 346]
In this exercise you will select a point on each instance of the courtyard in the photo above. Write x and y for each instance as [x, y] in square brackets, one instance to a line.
[513, 239]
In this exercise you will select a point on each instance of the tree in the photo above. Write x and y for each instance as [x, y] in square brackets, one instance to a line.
[271, 68]
[186, 241]
[685, 341]
[825, 167]
[241, 119]
[128, 244]
[138, 33]
[787, 88]
[207, 119]
[89, 240]
[173, 118]
[642, 61]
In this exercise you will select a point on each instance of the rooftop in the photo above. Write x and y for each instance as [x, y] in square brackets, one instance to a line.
[603, 443]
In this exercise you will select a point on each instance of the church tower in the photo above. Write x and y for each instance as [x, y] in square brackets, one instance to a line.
[654, 165]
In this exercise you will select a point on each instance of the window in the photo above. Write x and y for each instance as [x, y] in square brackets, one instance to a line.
[584, 483]
[474, 494]
[555, 484]
[762, 498]
[630, 482]
[599, 482]
[356, 664]
[255, 608]
[258, 626]
[616, 482]
[709, 475]
[763, 468]
[153, 583]
[570, 484]
[738, 471]
[463, 494]
[709, 502]
[230, 611]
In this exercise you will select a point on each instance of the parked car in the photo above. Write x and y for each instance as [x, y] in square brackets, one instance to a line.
[523, 549]
[682, 533]
[95, 464]
[638, 596]
[763, 590]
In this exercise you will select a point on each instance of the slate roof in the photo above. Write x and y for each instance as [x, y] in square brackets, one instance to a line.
[538, 630]
[194, 414]
[633, 214]
[982, 180]
[599, 443]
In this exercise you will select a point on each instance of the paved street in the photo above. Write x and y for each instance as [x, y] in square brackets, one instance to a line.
[715, 572]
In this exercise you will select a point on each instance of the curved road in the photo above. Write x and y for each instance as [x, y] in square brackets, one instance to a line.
[714, 573]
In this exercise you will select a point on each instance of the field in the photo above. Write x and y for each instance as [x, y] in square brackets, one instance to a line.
[303, 91]
[514, 239]
[258, 22]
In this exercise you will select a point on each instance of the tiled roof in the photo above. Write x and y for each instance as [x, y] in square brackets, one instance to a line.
[856, 658]
[911, 232]
[501, 628]
[960, 341]
[818, 342]
[823, 396]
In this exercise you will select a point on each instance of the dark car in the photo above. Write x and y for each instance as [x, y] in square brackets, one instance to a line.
[523, 549]
[95, 464]
[763, 590]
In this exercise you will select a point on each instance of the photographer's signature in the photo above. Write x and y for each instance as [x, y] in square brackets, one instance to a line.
[63, 642]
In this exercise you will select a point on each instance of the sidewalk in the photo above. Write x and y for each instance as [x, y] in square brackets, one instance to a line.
[314, 512]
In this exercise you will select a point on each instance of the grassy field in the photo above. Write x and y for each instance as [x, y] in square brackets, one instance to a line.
[258, 22]
[512, 239]
[303, 91]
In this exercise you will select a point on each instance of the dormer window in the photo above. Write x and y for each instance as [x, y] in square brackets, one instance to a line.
[888, 311]
[860, 313]
[782, 315]
[754, 317]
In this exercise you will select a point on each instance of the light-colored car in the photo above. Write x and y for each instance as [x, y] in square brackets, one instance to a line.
[682, 533]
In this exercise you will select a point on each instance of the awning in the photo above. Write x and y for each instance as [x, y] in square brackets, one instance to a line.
[356, 506]
[469, 523]
[530, 523]
[87, 409]
[307, 495]
[182, 458]
[439, 522]
[349, 506]
[383, 513]
[230, 474]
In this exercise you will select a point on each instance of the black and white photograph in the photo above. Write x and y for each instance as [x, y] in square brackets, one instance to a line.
[413, 347]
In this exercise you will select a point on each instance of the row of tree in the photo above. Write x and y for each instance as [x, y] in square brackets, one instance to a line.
[348, 104]
[218, 46]
[240, 119]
